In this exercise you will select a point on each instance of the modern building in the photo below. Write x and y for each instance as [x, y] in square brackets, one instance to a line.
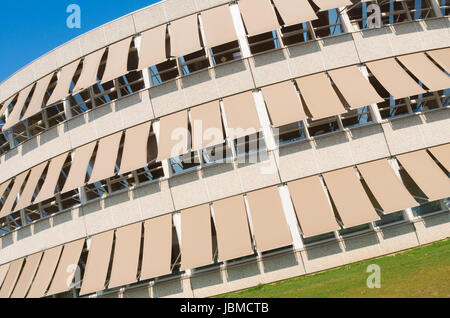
[197, 147]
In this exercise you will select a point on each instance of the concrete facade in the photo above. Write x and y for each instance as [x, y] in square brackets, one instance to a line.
[206, 184]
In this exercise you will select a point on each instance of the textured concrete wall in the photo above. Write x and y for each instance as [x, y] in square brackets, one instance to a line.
[291, 162]
[272, 268]
[237, 76]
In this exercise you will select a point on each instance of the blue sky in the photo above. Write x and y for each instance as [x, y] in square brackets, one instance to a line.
[32, 28]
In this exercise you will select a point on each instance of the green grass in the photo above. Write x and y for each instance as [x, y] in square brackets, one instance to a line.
[419, 272]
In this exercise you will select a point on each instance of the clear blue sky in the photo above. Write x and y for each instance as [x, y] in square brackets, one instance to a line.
[29, 29]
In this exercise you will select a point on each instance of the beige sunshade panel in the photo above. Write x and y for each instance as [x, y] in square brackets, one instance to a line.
[241, 114]
[295, 11]
[355, 88]
[320, 97]
[134, 154]
[283, 104]
[441, 153]
[206, 123]
[351, 201]
[11, 278]
[80, 162]
[196, 237]
[312, 206]
[233, 234]
[259, 16]
[173, 136]
[3, 187]
[394, 78]
[386, 187]
[157, 251]
[184, 36]
[3, 271]
[331, 4]
[27, 275]
[117, 61]
[153, 47]
[426, 71]
[442, 57]
[14, 116]
[48, 188]
[65, 272]
[62, 87]
[431, 179]
[6, 104]
[45, 272]
[36, 102]
[269, 223]
[218, 26]
[105, 160]
[12, 196]
[27, 194]
[97, 263]
[126, 255]
[88, 76]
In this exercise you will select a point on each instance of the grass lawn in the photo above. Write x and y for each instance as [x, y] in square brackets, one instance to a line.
[419, 272]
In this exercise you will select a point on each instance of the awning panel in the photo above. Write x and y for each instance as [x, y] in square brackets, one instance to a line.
[355, 88]
[218, 26]
[105, 160]
[295, 11]
[45, 272]
[331, 4]
[36, 102]
[65, 272]
[394, 78]
[27, 275]
[62, 88]
[11, 278]
[441, 153]
[206, 123]
[426, 174]
[134, 154]
[14, 116]
[173, 136]
[27, 194]
[3, 187]
[233, 234]
[117, 61]
[184, 36]
[6, 104]
[313, 209]
[351, 201]
[386, 187]
[97, 263]
[269, 223]
[259, 16]
[153, 47]
[18, 183]
[241, 114]
[126, 255]
[426, 71]
[47, 190]
[442, 57]
[196, 239]
[3, 271]
[88, 76]
[283, 104]
[320, 97]
[157, 253]
[77, 173]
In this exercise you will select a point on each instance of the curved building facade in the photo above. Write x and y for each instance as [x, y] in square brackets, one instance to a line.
[197, 147]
